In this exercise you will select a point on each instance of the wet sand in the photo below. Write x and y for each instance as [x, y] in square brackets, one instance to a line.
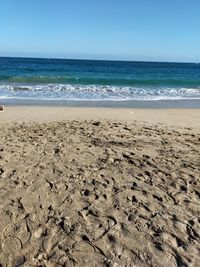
[99, 187]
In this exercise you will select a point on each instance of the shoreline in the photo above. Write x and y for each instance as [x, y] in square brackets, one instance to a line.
[136, 104]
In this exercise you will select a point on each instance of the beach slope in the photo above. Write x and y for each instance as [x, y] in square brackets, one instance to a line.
[99, 192]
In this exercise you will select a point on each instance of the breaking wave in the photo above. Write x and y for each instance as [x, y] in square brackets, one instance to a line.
[95, 92]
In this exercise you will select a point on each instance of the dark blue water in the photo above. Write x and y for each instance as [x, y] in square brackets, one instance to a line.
[59, 79]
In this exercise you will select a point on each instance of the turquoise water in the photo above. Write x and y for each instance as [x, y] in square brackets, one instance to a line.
[59, 79]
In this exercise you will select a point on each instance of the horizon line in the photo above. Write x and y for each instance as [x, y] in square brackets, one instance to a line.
[115, 60]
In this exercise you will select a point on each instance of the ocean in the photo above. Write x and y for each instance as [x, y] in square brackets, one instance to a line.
[91, 80]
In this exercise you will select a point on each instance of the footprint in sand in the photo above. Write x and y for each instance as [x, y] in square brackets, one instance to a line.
[19, 233]
[9, 230]
[11, 244]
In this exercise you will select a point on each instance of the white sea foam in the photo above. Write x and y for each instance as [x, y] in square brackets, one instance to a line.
[94, 92]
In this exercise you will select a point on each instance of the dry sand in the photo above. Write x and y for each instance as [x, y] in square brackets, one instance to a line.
[115, 192]
[170, 117]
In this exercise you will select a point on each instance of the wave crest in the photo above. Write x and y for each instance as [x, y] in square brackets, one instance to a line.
[95, 92]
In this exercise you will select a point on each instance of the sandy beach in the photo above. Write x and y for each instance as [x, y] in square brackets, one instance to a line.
[181, 118]
[99, 187]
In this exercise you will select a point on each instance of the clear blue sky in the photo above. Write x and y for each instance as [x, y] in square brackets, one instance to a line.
[158, 30]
